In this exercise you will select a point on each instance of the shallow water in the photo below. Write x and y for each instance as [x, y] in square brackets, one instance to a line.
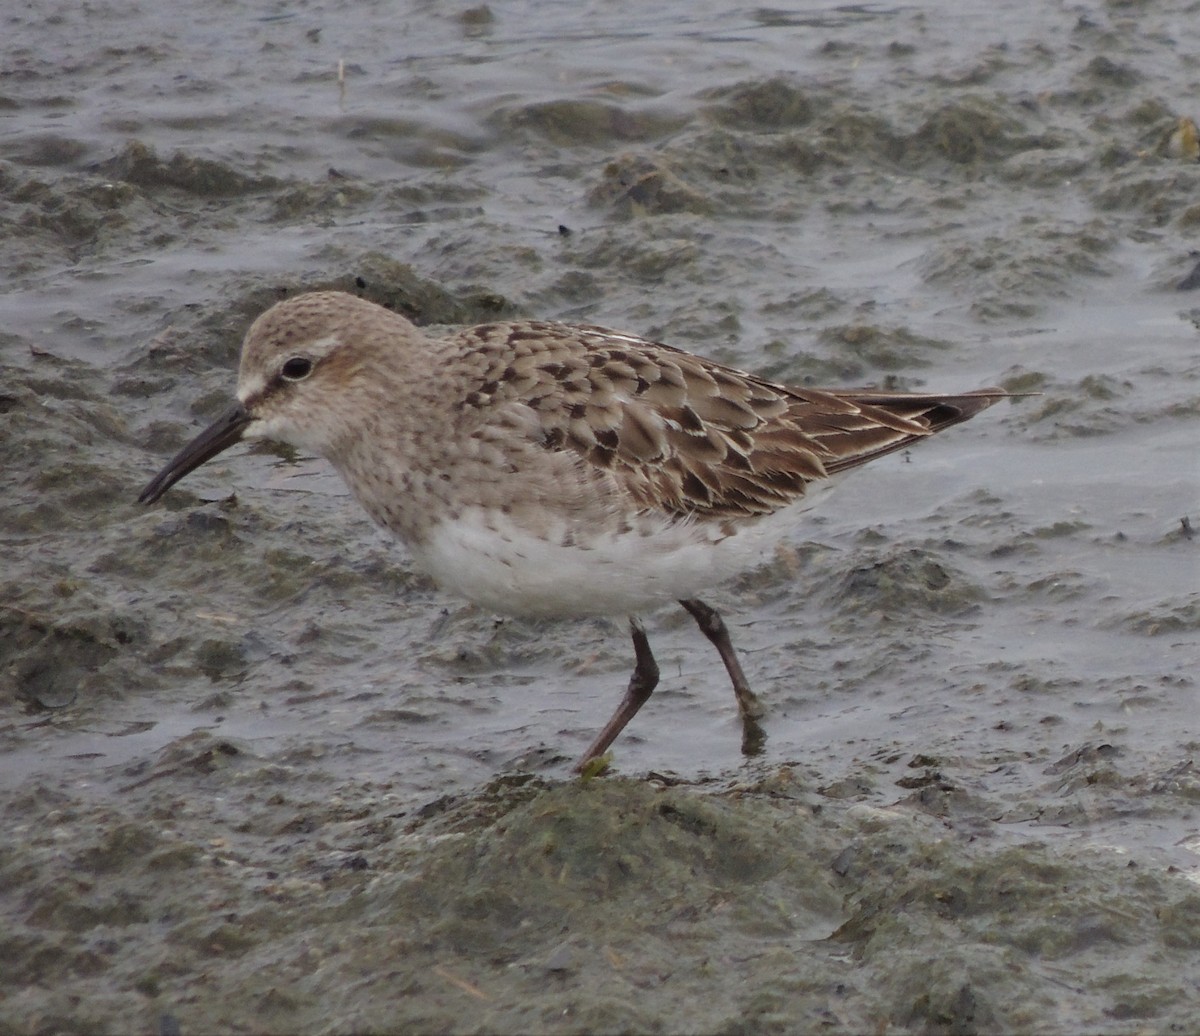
[978, 659]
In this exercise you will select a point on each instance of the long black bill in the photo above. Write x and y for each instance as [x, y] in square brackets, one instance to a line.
[220, 435]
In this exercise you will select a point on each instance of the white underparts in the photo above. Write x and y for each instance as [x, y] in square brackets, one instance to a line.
[508, 569]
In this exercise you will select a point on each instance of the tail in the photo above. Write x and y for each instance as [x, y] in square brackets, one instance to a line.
[872, 423]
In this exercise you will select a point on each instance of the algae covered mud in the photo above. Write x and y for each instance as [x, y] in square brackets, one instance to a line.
[258, 775]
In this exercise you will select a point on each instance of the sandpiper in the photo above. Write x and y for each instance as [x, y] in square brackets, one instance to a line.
[559, 470]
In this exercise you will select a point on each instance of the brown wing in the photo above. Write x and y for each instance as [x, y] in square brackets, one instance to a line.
[690, 436]
[880, 422]
[715, 468]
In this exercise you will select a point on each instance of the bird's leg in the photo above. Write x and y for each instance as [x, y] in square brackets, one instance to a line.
[641, 686]
[713, 626]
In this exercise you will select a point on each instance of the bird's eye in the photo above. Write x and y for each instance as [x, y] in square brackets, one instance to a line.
[297, 368]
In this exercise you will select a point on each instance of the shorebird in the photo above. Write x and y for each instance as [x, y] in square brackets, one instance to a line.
[559, 470]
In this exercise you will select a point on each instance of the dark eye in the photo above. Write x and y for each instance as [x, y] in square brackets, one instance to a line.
[297, 368]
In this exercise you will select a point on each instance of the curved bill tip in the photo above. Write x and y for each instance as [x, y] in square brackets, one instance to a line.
[220, 435]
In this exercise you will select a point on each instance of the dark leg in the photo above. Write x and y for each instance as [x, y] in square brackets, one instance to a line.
[713, 626]
[641, 686]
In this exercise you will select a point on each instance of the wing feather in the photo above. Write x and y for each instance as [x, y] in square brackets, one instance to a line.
[692, 437]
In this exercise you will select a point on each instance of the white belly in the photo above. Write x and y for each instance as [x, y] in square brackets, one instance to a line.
[507, 569]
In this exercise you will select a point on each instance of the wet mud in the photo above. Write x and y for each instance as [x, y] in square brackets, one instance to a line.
[258, 775]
